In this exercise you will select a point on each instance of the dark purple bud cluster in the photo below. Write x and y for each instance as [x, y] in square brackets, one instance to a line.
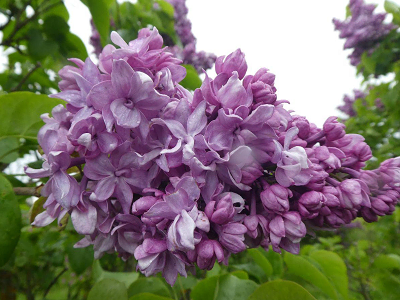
[188, 54]
[363, 30]
[348, 106]
[176, 178]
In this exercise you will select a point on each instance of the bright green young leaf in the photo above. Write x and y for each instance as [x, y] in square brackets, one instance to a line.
[393, 9]
[10, 220]
[192, 80]
[127, 278]
[152, 285]
[389, 261]
[148, 296]
[281, 290]
[225, 287]
[261, 260]
[334, 268]
[80, 258]
[301, 267]
[101, 18]
[108, 289]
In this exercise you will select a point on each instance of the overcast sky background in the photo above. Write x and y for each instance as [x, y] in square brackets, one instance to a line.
[294, 39]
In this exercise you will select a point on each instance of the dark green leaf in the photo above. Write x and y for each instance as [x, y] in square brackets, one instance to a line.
[108, 289]
[10, 220]
[281, 290]
[80, 258]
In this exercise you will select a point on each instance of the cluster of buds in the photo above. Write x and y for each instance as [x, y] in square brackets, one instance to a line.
[363, 30]
[146, 168]
[199, 60]
[348, 106]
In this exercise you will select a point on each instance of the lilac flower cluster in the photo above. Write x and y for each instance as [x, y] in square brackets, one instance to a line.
[146, 168]
[183, 27]
[348, 106]
[363, 30]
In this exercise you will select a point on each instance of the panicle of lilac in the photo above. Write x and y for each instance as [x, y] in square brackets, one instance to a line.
[363, 30]
[176, 178]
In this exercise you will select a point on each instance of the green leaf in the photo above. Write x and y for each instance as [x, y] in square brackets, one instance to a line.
[281, 290]
[393, 9]
[240, 274]
[109, 289]
[226, 287]
[334, 268]
[148, 296]
[20, 114]
[301, 267]
[10, 220]
[192, 80]
[55, 27]
[389, 261]
[152, 285]
[80, 258]
[9, 150]
[276, 261]
[127, 278]
[261, 260]
[101, 18]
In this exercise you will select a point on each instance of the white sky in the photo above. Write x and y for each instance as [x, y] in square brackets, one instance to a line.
[294, 39]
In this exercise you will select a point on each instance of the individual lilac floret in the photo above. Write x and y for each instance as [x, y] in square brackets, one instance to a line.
[363, 30]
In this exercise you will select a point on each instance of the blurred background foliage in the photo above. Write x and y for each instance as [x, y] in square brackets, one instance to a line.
[358, 262]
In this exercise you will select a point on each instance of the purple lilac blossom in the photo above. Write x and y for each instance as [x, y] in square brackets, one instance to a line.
[348, 106]
[363, 30]
[175, 178]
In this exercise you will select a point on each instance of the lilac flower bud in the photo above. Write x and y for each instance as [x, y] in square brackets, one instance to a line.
[221, 212]
[370, 178]
[333, 129]
[318, 176]
[207, 252]
[310, 204]
[231, 236]
[353, 194]
[233, 62]
[286, 231]
[389, 171]
[303, 125]
[276, 198]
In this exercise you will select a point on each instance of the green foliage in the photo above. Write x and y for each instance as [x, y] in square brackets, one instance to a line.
[20, 121]
[192, 80]
[109, 289]
[152, 285]
[225, 287]
[281, 290]
[10, 220]
[303, 268]
[126, 278]
[101, 17]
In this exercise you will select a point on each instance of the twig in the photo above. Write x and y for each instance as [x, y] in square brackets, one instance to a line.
[25, 78]
[54, 281]
[27, 191]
